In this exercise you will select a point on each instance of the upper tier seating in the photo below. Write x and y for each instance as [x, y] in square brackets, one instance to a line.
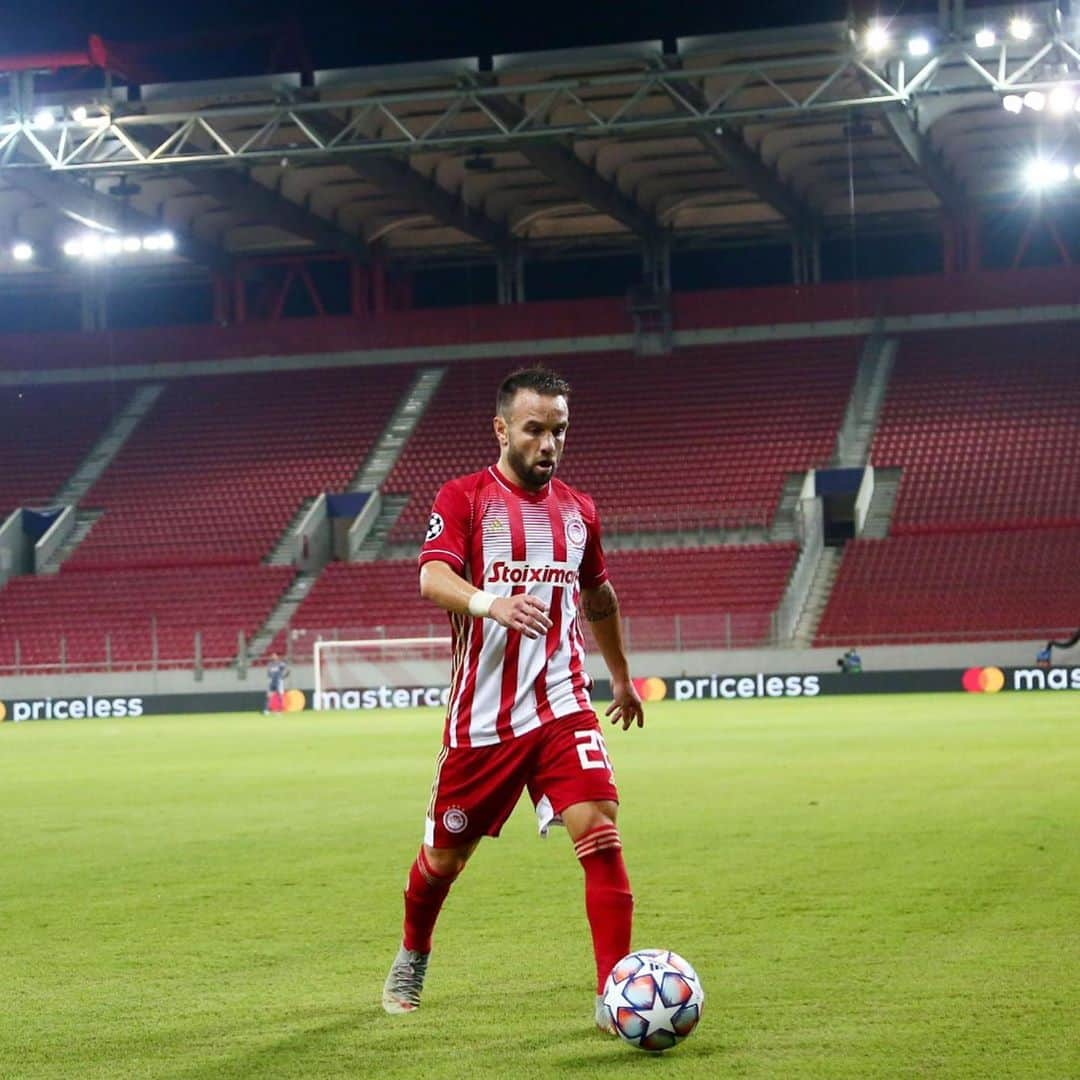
[702, 439]
[976, 586]
[986, 427]
[218, 468]
[45, 432]
[131, 606]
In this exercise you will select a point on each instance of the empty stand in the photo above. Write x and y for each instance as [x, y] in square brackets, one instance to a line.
[986, 428]
[985, 585]
[700, 440]
[219, 467]
[45, 432]
[66, 618]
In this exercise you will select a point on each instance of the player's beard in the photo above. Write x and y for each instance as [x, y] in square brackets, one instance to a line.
[530, 477]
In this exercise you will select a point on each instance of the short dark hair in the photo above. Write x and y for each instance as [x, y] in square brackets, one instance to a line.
[542, 380]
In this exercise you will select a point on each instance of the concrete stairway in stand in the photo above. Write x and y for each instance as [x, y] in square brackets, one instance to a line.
[818, 596]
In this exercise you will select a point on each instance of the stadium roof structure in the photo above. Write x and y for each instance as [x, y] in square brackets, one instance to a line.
[769, 136]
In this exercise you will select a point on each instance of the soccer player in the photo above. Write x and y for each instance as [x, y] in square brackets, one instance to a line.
[510, 553]
[277, 671]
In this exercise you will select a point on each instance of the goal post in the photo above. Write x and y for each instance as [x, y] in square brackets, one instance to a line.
[380, 672]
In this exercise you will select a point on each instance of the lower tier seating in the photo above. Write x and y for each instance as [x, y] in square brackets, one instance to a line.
[1005, 585]
[94, 619]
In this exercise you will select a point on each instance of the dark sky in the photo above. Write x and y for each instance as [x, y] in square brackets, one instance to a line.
[392, 30]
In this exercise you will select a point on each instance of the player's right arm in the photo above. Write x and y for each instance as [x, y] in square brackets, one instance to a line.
[443, 585]
[443, 559]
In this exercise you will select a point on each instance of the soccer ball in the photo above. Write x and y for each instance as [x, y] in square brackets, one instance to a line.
[654, 998]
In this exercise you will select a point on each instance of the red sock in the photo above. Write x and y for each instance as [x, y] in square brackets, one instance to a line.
[424, 896]
[609, 903]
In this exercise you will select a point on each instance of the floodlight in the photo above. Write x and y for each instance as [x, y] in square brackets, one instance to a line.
[133, 243]
[1021, 28]
[985, 38]
[919, 45]
[166, 241]
[44, 119]
[79, 114]
[1076, 172]
[92, 246]
[73, 248]
[877, 39]
[22, 251]
[113, 245]
[1041, 173]
[1061, 100]
[1013, 103]
[1035, 100]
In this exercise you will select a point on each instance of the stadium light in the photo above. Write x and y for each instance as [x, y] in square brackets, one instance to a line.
[919, 45]
[985, 38]
[162, 241]
[1035, 100]
[92, 247]
[1041, 174]
[1061, 100]
[22, 251]
[73, 248]
[80, 114]
[1021, 28]
[1013, 103]
[877, 39]
[133, 244]
[112, 245]
[44, 119]
[1076, 172]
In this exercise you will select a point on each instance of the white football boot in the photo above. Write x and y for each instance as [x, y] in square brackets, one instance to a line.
[401, 991]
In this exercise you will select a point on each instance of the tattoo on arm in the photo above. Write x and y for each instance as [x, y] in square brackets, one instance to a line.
[600, 603]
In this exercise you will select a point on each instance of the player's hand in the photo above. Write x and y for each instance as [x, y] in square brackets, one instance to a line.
[626, 705]
[523, 613]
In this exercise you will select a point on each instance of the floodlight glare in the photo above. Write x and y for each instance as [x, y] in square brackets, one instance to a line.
[79, 114]
[1062, 99]
[1035, 100]
[92, 247]
[133, 243]
[113, 245]
[166, 241]
[1021, 28]
[73, 248]
[1041, 174]
[985, 38]
[44, 119]
[150, 243]
[877, 39]
[919, 45]
[1013, 103]
[1076, 172]
[22, 252]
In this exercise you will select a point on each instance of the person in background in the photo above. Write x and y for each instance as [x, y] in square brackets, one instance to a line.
[850, 663]
[277, 671]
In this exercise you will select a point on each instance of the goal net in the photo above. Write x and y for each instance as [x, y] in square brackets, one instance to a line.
[381, 673]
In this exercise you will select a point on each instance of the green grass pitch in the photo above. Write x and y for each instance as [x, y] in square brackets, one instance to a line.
[869, 887]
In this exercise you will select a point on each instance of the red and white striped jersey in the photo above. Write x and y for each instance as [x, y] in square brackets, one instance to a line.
[506, 541]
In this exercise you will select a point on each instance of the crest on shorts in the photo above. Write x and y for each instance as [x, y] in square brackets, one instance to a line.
[455, 820]
[435, 527]
[575, 532]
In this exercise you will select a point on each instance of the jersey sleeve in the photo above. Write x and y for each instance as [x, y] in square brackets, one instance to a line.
[447, 538]
[593, 564]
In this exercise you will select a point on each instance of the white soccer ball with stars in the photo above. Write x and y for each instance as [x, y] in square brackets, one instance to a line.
[654, 997]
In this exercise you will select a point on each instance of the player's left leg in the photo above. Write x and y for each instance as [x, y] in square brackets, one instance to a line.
[575, 778]
[609, 903]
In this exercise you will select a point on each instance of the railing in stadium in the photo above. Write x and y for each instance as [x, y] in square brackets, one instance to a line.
[643, 633]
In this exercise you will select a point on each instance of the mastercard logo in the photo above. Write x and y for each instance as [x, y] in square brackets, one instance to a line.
[294, 701]
[983, 680]
[651, 689]
[3, 712]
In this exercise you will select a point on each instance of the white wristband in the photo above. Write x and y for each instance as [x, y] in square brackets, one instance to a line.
[480, 604]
